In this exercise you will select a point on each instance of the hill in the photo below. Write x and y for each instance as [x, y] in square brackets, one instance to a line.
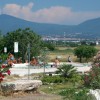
[87, 29]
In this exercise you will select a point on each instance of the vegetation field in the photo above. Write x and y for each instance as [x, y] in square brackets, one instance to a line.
[62, 53]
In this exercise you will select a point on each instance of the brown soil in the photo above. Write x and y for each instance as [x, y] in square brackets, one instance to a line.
[31, 96]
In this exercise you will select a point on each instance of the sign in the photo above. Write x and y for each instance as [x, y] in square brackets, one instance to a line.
[5, 49]
[15, 46]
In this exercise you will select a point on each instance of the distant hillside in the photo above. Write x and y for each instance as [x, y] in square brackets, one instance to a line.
[10, 23]
[87, 29]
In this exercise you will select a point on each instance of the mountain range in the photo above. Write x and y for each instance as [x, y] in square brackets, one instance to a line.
[87, 29]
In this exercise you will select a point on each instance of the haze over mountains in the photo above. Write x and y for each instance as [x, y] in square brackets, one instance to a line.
[87, 29]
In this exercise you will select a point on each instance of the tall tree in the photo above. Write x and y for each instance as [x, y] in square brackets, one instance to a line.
[85, 52]
[23, 37]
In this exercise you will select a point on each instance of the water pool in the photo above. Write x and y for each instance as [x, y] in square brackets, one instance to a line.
[26, 65]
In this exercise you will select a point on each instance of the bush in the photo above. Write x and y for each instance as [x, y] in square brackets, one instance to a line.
[66, 71]
[93, 77]
[4, 70]
[52, 79]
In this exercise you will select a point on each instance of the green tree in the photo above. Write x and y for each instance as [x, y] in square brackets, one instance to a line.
[23, 37]
[85, 52]
[49, 45]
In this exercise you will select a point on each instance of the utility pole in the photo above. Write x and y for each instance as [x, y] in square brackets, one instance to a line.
[64, 40]
[28, 49]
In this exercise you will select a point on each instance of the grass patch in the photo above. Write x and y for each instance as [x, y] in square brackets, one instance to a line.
[55, 88]
[67, 91]
[63, 53]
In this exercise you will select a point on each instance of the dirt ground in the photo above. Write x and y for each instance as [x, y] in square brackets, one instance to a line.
[31, 97]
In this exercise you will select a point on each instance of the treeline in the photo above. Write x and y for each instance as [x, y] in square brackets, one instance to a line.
[71, 43]
[24, 37]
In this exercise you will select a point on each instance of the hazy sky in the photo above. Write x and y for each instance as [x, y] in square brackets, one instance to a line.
[68, 12]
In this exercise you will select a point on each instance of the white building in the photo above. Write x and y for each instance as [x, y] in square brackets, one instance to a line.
[97, 43]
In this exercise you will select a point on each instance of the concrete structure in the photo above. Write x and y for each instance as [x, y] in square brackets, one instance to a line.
[22, 69]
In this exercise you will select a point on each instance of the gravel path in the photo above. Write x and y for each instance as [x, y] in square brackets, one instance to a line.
[32, 97]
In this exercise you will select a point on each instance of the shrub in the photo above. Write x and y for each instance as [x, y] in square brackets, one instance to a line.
[4, 70]
[66, 71]
[93, 78]
[52, 79]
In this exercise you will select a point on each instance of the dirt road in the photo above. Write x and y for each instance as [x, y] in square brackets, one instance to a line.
[32, 97]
